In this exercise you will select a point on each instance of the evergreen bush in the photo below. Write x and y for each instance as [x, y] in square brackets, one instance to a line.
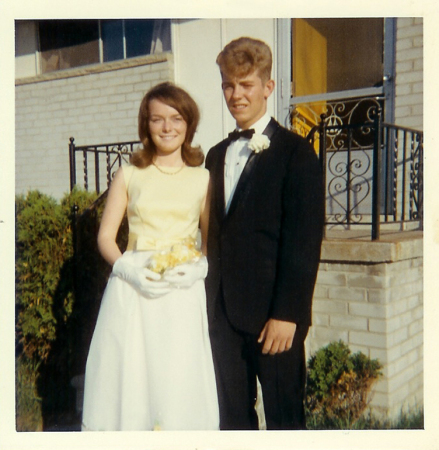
[28, 403]
[43, 247]
[338, 386]
[44, 302]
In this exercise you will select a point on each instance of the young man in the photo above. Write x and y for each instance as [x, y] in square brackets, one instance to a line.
[265, 232]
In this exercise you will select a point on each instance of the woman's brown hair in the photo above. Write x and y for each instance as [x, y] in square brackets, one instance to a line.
[179, 99]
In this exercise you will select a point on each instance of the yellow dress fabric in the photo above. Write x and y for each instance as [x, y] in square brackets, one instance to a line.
[150, 362]
[162, 208]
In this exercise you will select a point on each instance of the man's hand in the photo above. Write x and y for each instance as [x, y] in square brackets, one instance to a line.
[277, 336]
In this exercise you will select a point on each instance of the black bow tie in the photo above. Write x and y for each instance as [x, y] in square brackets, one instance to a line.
[235, 135]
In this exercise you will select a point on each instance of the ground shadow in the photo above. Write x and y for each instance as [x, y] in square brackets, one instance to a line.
[85, 276]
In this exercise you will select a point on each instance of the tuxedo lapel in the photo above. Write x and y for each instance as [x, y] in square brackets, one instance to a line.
[244, 182]
[220, 203]
[271, 128]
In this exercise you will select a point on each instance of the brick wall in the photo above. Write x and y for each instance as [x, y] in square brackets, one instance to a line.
[93, 106]
[370, 295]
[409, 73]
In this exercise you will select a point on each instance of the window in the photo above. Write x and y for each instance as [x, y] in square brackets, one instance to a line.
[341, 67]
[68, 43]
[333, 55]
[73, 43]
[112, 35]
[126, 38]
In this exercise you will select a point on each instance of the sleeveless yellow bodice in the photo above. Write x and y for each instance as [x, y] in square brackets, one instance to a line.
[163, 209]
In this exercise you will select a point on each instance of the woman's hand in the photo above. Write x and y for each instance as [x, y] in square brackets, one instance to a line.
[185, 275]
[142, 279]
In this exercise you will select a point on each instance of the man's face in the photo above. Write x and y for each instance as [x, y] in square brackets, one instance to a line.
[246, 97]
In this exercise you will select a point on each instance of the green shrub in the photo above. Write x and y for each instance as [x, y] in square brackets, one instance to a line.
[43, 246]
[28, 403]
[44, 302]
[39, 257]
[338, 386]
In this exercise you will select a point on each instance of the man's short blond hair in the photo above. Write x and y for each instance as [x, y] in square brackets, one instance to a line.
[243, 56]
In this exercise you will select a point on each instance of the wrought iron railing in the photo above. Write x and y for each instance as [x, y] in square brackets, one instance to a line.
[373, 172]
[94, 157]
[304, 116]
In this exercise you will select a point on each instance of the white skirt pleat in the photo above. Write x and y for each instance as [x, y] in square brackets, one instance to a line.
[150, 363]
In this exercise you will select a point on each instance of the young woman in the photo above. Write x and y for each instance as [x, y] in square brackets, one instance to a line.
[150, 363]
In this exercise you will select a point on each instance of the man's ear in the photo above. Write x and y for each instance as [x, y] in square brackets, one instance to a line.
[269, 87]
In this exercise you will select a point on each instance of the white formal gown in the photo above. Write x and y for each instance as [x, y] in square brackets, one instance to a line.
[150, 362]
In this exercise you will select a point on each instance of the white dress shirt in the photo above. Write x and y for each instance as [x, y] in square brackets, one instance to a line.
[236, 158]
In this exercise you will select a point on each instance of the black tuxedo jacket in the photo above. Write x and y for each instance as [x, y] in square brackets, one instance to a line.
[264, 253]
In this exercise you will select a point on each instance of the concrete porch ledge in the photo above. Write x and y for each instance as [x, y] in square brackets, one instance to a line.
[356, 246]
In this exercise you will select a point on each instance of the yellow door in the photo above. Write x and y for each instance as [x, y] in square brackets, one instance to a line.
[310, 55]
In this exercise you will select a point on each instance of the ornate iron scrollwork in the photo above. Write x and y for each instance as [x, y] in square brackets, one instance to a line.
[304, 116]
[115, 155]
[416, 177]
[349, 143]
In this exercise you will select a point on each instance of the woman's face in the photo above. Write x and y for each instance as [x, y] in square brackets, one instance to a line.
[167, 127]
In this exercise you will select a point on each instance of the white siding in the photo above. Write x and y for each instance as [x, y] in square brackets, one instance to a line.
[196, 46]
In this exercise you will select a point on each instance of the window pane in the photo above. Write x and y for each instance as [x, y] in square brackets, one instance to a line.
[112, 39]
[138, 34]
[68, 43]
[331, 55]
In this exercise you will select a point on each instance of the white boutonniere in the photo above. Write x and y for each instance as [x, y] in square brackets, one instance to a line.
[259, 142]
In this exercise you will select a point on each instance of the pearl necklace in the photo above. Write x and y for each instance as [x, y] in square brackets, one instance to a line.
[168, 173]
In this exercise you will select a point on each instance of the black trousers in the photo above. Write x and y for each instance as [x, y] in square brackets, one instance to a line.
[238, 360]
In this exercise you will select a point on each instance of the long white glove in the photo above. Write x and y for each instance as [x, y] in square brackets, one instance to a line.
[185, 275]
[142, 279]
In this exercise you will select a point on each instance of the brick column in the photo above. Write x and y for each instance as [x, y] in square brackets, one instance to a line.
[409, 73]
[370, 295]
